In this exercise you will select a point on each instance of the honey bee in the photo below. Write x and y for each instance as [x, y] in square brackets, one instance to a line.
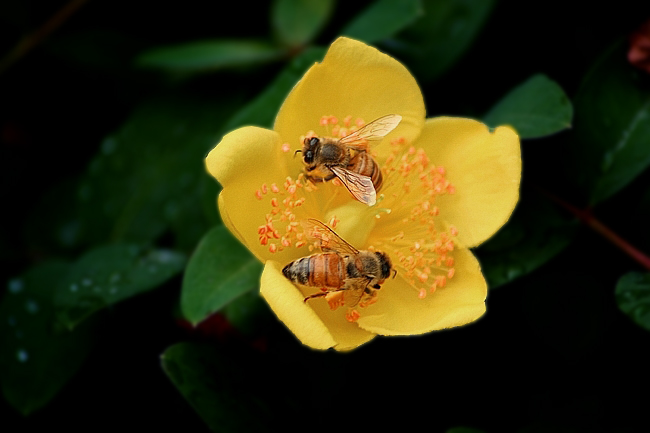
[348, 158]
[340, 267]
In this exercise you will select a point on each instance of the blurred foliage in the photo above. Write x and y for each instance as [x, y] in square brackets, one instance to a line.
[104, 124]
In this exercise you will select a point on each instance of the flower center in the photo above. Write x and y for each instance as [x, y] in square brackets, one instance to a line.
[420, 247]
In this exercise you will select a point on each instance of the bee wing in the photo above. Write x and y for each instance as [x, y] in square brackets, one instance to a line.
[353, 294]
[329, 240]
[374, 130]
[360, 186]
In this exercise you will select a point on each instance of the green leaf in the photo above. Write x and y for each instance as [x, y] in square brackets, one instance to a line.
[297, 22]
[36, 357]
[433, 44]
[107, 275]
[535, 108]
[263, 109]
[249, 313]
[633, 297]
[148, 176]
[220, 390]
[220, 270]
[536, 233]
[383, 19]
[612, 126]
[209, 55]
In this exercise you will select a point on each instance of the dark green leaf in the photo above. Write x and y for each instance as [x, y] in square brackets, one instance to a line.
[535, 108]
[633, 297]
[263, 109]
[612, 126]
[148, 176]
[433, 44]
[36, 357]
[219, 389]
[109, 274]
[536, 233]
[383, 19]
[297, 22]
[248, 313]
[220, 270]
[210, 55]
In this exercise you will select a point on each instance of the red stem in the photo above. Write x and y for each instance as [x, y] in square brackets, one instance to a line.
[585, 216]
[31, 40]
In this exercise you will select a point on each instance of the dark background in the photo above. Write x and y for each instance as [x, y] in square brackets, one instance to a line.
[553, 352]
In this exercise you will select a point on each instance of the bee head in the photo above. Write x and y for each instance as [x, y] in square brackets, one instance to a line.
[386, 265]
[309, 149]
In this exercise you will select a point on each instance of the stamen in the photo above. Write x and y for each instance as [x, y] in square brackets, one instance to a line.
[335, 299]
[416, 244]
[352, 315]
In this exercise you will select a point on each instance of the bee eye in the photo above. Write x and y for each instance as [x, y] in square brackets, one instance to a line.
[313, 141]
[309, 156]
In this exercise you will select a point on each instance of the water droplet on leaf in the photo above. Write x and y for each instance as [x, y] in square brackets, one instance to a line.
[109, 145]
[32, 306]
[22, 355]
[16, 285]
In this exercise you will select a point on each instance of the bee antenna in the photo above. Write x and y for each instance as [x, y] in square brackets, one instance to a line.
[294, 153]
[394, 273]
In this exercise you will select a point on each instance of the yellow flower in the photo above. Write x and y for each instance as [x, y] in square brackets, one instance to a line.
[449, 184]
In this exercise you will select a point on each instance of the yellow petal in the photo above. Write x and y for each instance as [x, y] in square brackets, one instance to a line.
[244, 160]
[399, 311]
[243, 156]
[314, 324]
[485, 169]
[355, 80]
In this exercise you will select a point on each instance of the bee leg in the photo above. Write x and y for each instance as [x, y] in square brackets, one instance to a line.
[325, 292]
[315, 295]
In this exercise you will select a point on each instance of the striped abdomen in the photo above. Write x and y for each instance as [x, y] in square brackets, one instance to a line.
[318, 270]
[365, 165]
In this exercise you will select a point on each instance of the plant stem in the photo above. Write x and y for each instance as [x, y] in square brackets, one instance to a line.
[28, 42]
[587, 217]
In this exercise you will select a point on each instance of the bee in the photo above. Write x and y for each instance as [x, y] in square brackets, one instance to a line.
[340, 267]
[348, 159]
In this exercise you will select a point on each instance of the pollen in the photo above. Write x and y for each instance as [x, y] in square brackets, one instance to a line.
[335, 129]
[288, 206]
[335, 299]
[352, 315]
[420, 246]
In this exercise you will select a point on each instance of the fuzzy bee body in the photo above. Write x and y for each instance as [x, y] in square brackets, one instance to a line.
[365, 165]
[339, 267]
[348, 159]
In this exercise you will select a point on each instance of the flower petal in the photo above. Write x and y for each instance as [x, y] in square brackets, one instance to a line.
[485, 169]
[314, 324]
[357, 80]
[241, 164]
[399, 311]
[287, 303]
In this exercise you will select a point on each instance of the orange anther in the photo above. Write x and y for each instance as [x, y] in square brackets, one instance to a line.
[352, 315]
